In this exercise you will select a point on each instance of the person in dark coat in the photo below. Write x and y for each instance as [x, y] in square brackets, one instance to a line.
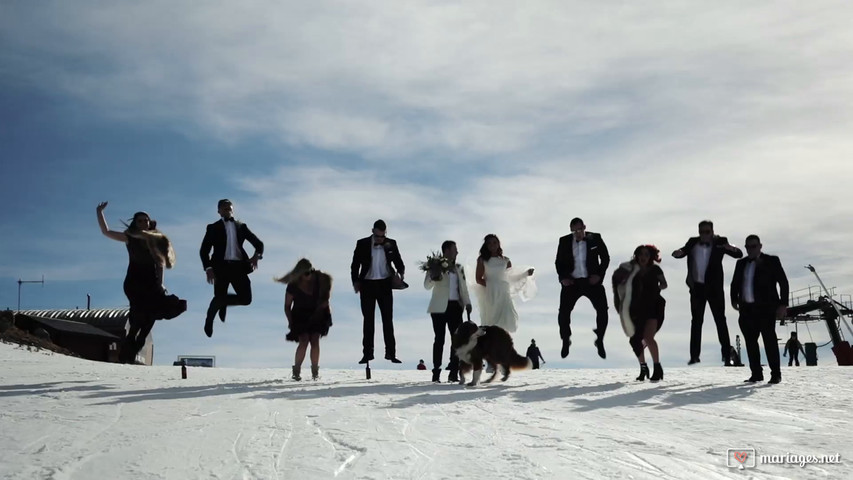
[149, 252]
[376, 270]
[309, 316]
[534, 354]
[794, 347]
[754, 294]
[705, 281]
[582, 260]
[229, 264]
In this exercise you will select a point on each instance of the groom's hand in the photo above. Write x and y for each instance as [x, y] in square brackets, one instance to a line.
[356, 286]
[468, 309]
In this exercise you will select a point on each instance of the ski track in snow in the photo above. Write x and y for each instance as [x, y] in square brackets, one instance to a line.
[68, 419]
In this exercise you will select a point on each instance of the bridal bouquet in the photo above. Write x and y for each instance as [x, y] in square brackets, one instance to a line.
[436, 264]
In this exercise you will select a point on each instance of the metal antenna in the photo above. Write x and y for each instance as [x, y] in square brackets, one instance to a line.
[20, 282]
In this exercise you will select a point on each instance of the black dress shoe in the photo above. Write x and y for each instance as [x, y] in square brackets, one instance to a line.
[208, 328]
[693, 361]
[365, 359]
[754, 379]
[599, 344]
[222, 314]
[774, 379]
[393, 359]
[566, 344]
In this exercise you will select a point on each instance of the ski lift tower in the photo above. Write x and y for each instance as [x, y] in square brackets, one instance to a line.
[824, 308]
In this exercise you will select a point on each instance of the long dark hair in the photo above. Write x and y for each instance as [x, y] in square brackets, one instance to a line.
[654, 253]
[158, 244]
[484, 250]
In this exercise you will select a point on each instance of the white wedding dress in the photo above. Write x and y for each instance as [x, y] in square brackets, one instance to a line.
[502, 284]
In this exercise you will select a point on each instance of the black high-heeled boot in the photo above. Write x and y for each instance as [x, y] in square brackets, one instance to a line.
[644, 372]
[657, 374]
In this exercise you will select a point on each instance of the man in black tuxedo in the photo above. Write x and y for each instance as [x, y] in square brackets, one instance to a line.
[754, 295]
[373, 274]
[705, 281]
[229, 265]
[582, 260]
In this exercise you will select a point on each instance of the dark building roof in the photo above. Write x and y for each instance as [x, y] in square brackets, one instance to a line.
[69, 326]
[112, 320]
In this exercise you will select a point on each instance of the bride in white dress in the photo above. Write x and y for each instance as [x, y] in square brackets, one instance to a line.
[497, 282]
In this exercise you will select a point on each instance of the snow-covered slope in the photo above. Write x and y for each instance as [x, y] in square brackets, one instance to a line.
[65, 418]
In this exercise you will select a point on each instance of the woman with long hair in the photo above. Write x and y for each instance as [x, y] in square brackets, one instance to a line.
[149, 252]
[306, 306]
[637, 287]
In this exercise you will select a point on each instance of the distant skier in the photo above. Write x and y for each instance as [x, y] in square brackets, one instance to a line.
[794, 347]
[534, 354]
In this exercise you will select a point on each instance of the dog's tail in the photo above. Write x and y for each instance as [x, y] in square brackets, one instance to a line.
[518, 362]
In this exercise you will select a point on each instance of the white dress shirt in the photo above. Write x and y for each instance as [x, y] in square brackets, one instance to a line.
[749, 283]
[579, 252]
[701, 256]
[231, 250]
[454, 286]
[379, 264]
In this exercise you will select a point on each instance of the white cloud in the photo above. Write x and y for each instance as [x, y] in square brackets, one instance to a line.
[641, 120]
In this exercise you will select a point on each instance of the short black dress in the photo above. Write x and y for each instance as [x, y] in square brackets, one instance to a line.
[646, 300]
[305, 318]
[143, 285]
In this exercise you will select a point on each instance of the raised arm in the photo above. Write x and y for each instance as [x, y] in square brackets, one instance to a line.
[730, 249]
[102, 221]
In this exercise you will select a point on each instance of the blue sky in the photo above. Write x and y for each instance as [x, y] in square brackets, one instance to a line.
[446, 120]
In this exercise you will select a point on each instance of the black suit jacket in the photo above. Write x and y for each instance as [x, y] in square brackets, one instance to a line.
[216, 238]
[362, 258]
[597, 257]
[768, 274]
[714, 271]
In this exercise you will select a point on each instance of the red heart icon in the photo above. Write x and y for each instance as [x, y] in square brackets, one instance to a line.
[741, 456]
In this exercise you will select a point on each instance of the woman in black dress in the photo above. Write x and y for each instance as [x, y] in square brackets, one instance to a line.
[149, 252]
[306, 306]
[642, 282]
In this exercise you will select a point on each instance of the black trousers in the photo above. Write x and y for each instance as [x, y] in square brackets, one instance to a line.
[794, 357]
[700, 294]
[375, 292]
[569, 296]
[760, 320]
[234, 274]
[449, 320]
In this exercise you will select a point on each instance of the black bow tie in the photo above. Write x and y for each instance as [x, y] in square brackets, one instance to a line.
[705, 244]
[750, 259]
[228, 219]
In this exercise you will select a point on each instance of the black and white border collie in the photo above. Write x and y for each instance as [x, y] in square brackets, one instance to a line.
[474, 344]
